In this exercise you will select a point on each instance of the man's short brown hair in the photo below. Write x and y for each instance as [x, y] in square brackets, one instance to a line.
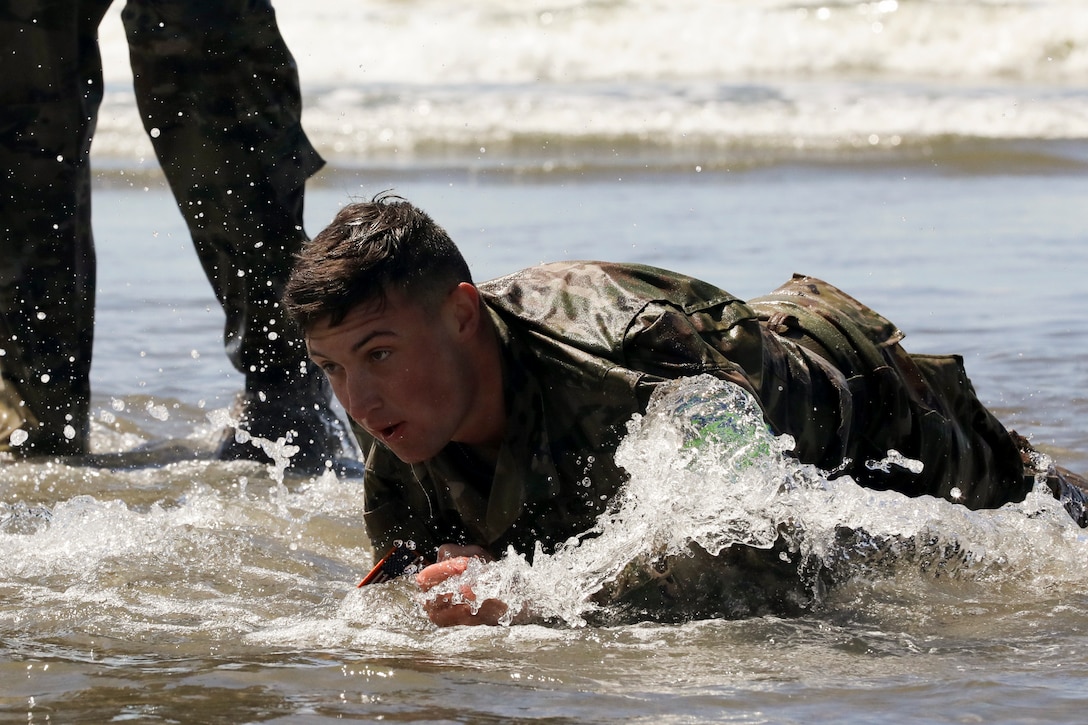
[370, 248]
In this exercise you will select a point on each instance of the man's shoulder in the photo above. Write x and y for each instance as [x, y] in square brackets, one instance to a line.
[586, 286]
[602, 309]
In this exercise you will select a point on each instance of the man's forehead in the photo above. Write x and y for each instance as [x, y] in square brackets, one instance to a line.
[365, 313]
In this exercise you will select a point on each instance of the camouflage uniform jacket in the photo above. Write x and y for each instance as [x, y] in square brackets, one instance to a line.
[584, 345]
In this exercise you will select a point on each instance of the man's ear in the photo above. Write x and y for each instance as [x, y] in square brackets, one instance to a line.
[463, 307]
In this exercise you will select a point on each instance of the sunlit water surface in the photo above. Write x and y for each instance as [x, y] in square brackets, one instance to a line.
[193, 590]
[927, 157]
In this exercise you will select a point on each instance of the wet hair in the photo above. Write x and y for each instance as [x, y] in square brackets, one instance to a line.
[369, 249]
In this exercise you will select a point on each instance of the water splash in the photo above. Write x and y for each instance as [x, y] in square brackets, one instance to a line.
[208, 558]
[278, 451]
[895, 458]
[22, 518]
[718, 520]
[203, 551]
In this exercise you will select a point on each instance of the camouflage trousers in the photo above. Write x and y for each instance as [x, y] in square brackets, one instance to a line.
[218, 94]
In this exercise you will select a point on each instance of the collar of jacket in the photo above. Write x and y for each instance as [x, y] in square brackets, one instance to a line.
[525, 470]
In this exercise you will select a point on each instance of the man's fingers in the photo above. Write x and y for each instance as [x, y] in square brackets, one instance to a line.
[453, 560]
[444, 613]
[435, 574]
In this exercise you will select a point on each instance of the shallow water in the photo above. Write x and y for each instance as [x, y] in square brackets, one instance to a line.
[201, 591]
[988, 265]
[197, 591]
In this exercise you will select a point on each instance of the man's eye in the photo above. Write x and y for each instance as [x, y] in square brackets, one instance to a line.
[379, 355]
[328, 368]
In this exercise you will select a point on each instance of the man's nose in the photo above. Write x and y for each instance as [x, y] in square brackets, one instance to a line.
[362, 400]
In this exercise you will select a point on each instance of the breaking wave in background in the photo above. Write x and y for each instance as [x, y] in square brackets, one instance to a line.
[565, 85]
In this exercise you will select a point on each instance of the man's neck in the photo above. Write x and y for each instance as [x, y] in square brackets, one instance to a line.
[490, 410]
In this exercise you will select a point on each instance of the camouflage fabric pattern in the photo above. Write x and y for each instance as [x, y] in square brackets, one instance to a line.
[585, 344]
[923, 406]
[218, 93]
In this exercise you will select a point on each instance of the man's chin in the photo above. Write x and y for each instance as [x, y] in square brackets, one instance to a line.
[411, 452]
[409, 456]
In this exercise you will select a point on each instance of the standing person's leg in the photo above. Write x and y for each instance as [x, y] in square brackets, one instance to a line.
[218, 93]
[50, 92]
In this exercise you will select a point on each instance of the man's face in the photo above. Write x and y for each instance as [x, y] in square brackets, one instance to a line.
[401, 372]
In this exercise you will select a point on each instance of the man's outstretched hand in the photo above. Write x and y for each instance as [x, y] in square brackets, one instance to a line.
[452, 561]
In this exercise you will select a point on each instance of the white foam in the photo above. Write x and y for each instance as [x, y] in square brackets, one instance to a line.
[745, 490]
[232, 551]
[479, 81]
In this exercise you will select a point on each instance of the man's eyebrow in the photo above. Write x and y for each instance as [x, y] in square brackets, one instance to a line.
[313, 351]
[370, 336]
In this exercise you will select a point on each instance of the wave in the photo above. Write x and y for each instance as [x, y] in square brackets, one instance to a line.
[211, 551]
[575, 41]
[717, 521]
[665, 126]
[587, 84]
